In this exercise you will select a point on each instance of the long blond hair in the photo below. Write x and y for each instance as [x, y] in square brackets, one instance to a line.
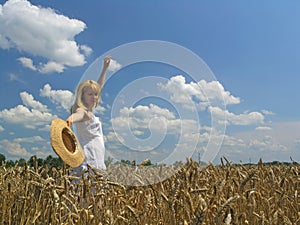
[79, 94]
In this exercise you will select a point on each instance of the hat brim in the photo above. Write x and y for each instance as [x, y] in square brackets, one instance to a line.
[65, 143]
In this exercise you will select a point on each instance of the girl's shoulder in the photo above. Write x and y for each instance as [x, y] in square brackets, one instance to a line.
[80, 110]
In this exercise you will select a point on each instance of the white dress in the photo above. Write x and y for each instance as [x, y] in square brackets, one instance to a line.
[90, 136]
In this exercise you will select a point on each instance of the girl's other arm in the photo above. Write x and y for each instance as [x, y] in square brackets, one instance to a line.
[76, 117]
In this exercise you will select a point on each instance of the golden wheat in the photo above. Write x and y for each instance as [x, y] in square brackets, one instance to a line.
[177, 194]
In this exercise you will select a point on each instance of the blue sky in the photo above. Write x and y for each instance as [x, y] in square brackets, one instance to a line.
[249, 48]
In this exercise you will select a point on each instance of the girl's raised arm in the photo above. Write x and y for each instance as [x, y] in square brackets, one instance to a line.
[103, 73]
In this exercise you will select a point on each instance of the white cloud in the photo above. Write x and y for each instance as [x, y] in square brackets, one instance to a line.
[254, 147]
[266, 143]
[224, 116]
[201, 94]
[64, 98]
[215, 92]
[1, 128]
[231, 141]
[41, 32]
[41, 151]
[14, 149]
[144, 128]
[86, 49]
[48, 67]
[33, 139]
[285, 132]
[186, 135]
[150, 111]
[29, 118]
[263, 128]
[277, 141]
[142, 117]
[114, 65]
[46, 128]
[99, 110]
[29, 101]
[51, 66]
[25, 147]
[27, 62]
[267, 112]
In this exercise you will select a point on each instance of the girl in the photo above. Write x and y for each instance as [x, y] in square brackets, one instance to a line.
[88, 126]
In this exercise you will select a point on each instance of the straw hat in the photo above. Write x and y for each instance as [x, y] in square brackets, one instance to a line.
[65, 143]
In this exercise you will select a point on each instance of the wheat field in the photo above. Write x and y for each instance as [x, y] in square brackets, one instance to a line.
[186, 194]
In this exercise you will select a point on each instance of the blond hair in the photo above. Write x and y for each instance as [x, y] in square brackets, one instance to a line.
[79, 94]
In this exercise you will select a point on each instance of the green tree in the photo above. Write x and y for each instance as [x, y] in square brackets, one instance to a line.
[2, 159]
[49, 160]
[10, 163]
[22, 162]
[57, 162]
[32, 161]
[53, 161]
[125, 161]
[40, 162]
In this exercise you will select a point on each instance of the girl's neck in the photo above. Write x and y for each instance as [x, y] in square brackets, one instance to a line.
[90, 109]
[90, 114]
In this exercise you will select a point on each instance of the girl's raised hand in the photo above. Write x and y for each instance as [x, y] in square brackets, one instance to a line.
[107, 61]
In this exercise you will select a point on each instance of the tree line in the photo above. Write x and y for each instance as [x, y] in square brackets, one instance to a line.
[51, 161]
[33, 161]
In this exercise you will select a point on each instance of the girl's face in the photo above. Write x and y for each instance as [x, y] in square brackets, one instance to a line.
[90, 97]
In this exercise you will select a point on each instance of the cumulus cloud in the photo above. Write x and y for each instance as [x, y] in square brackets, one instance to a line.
[236, 119]
[215, 92]
[231, 141]
[14, 149]
[186, 135]
[63, 98]
[29, 101]
[27, 62]
[266, 144]
[29, 118]
[86, 49]
[42, 32]
[114, 65]
[141, 116]
[51, 66]
[48, 67]
[202, 93]
[1, 128]
[143, 111]
[22, 147]
[210, 96]
[41, 151]
[147, 127]
[99, 110]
